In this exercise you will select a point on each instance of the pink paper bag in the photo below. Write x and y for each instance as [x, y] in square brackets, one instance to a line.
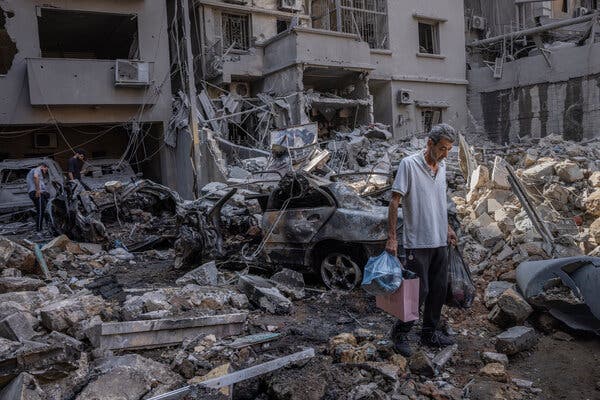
[403, 303]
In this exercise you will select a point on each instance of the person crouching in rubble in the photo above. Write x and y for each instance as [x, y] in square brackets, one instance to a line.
[36, 187]
[420, 186]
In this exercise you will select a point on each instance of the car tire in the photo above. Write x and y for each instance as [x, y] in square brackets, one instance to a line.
[341, 270]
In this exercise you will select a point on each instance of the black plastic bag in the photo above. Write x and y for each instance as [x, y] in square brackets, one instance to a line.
[461, 289]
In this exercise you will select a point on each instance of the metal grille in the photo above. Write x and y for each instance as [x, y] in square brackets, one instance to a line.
[236, 31]
[367, 18]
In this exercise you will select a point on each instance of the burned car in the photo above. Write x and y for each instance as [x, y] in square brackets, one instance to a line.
[13, 182]
[96, 173]
[325, 227]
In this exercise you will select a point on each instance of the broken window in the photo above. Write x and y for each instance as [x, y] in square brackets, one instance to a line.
[87, 35]
[430, 117]
[282, 25]
[429, 38]
[236, 31]
[366, 18]
[8, 48]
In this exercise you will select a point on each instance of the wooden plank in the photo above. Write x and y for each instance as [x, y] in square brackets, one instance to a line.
[163, 332]
[239, 376]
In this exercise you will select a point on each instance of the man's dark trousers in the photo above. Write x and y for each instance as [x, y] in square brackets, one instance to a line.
[40, 207]
[431, 265]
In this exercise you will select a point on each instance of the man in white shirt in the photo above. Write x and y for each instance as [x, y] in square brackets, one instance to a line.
[420, 186]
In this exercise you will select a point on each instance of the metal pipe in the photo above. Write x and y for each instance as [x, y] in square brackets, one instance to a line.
[533, 31]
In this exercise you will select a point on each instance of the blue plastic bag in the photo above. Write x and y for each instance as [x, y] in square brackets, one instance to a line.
[383, 274]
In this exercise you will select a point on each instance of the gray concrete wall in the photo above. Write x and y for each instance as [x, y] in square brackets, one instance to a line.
[15, 106]
[15, 103]
[534, 99]
[438, 79]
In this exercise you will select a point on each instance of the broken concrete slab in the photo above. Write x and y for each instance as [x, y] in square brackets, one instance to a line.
[19, 284]
[23, 387]
[264, 294]
[62, 315]
[129, 377]
[479, 178]
[500, 174]
[594, 179]
[489, 234]
[542, 170]
[568, 171]
[206, 274]
[163, 332]
[516, 339]
[12, 272]
[17, 327]
[290, 282]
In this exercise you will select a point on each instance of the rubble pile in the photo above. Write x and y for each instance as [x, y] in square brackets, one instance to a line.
[560, 180]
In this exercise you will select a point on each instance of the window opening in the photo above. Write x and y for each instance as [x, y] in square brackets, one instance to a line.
[236, 31]
[430, 117]
[429, 38]
[87, 35]
[8, 48]
[282, 25]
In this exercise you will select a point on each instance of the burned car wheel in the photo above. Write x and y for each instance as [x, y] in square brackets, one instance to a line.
[340, 271]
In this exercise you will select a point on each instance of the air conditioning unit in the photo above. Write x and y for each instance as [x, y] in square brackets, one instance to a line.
[580, 11]
[44, 140]
[290, 5]
[404, 97]
[240, 88]
[478, 22]
[132, 73]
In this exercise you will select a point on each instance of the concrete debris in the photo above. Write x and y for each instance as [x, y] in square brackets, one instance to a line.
[491, 357]
[18, 326]
[290, 282]
[511, 309]
[495, 371]
[516, 339]
[13, 255]
[206, 274]
[264, 294]
[420, 363]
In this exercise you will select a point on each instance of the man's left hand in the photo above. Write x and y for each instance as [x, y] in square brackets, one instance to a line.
[452, 239]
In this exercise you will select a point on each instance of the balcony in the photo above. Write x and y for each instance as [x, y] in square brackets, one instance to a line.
[316, 48]
[79, 82]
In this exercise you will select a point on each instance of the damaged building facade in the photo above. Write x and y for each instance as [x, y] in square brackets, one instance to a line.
[340, 64]
[533, 69]
[90, 74]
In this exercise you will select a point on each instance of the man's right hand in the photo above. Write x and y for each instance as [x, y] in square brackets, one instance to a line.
[392, 247]
[38, 193]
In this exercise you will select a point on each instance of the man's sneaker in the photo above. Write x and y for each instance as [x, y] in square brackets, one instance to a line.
[436, 339]
[402, 345]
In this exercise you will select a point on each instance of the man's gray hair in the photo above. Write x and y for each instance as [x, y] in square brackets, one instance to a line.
[442, 131]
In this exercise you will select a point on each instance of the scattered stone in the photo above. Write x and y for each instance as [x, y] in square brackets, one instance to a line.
[511, 309]
[595, 231]
[23, 387]
[562, 336]
[592, 203]
[495, 371]
[594, 179]
[522, 383]
[263, 293]
[400, 361]
[21, 284]
[480, 177]
[290, 282]
[13, 255]
[113, 186]
[493, 292]
[62, 315]
[487, 390]
[516, 339]
[540, 171]
[205, 275]
[129, 377]
[149, 302]
[500, 175]
[420, 364]
[568, 171]
[12, 273]
[491, 357]
[17, 327]
[121, 254]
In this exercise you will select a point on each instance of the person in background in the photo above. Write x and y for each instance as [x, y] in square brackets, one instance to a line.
[76, 164]
[36, 187]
